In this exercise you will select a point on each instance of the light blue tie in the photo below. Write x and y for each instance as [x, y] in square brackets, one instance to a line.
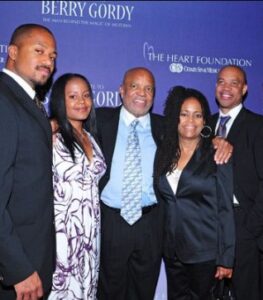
[221, 131]
[131, 209]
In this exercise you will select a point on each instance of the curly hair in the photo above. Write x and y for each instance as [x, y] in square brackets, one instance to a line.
[169, 152]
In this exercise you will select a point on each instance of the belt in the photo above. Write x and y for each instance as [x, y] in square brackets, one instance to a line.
[145, 209]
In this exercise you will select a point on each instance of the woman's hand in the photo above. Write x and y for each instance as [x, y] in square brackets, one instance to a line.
[223, 150]
[54, 128]
[222, 272]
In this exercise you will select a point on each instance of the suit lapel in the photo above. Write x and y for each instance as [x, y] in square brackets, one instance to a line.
[213, 121]
[18, 95]
[190, 168]
[236, 126]
[195, 161]
[154, 130]
[109, 135]
[165, 186]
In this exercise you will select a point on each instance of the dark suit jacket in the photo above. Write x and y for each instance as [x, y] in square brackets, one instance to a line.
[199, 223]
[246, 135]
[108, 121]
[26, 195]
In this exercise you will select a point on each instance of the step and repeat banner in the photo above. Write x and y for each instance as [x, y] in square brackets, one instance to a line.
[182, 43]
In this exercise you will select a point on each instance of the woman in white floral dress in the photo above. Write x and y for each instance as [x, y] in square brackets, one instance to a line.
[78, 164]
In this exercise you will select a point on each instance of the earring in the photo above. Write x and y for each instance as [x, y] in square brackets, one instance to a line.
[206, 132]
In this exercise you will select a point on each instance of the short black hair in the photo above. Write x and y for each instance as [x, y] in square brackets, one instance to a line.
[25, 29]
[242, 71]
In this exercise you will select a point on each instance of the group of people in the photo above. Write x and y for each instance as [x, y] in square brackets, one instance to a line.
[92, 200]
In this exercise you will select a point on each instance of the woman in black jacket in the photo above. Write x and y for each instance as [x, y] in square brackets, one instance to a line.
[199, 236]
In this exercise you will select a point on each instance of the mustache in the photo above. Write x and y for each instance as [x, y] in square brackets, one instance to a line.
[44, 67]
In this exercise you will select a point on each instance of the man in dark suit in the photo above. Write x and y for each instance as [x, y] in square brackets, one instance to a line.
[245, 131]
[26, 195]
[130, 254]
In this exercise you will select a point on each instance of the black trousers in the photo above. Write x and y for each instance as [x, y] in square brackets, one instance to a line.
[130, 256]
[189, 281]
[261, 275]
[7, 293]
[246, 275]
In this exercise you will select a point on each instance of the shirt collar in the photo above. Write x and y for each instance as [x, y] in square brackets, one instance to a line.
[28, 89]
[233, 112]
[127, 118]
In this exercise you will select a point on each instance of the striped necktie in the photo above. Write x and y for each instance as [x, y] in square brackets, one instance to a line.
[221, 131]
[40, 105]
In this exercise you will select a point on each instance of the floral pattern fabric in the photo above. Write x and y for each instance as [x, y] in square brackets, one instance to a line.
[77, 222]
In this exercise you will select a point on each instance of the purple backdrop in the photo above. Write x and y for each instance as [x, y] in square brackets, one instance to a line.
[183, 43]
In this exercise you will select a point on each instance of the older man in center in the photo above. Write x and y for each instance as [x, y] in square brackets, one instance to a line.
[131, 249]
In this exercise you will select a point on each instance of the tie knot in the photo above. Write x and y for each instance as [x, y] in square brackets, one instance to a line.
[134, 124]
[40, 105]
[224, 120]
[37, 100]
[221, 131]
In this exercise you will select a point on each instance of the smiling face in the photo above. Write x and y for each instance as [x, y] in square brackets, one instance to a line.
[78, 101]
[191, 120]
[137, 91]
[230, 88]
[33, 56]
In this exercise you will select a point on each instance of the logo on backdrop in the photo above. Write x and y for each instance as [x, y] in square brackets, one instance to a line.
[87, 13]
[179, 63]
[3, 52]
[103, 97]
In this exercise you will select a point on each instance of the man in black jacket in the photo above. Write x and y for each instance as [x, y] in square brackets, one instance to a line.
[244, 130]
[27, 237]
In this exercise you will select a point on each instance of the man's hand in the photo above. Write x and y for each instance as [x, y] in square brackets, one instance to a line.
[30, 288]
[223, 148]
[222, 272]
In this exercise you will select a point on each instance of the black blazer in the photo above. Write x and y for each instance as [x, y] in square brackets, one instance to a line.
[246, 135]
[26, 194]
[107, 123]
[199, 224]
